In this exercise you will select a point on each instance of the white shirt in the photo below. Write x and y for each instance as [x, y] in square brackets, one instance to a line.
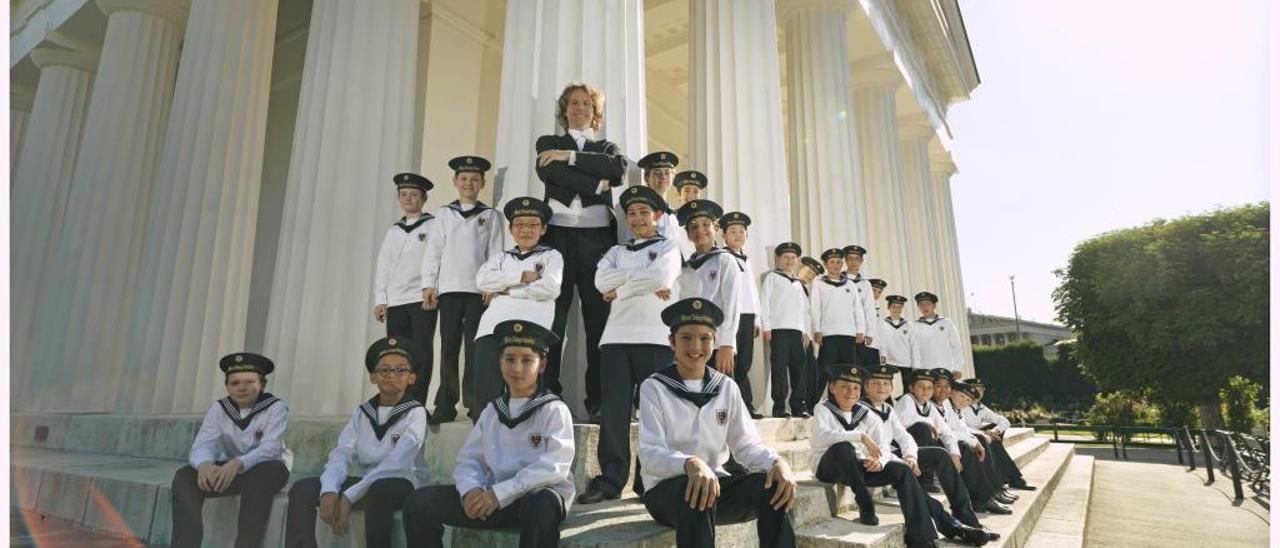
[636, 270]
[715, 276]
[956, 423]
[534, 302]
[748, 295]
[886, 429]
[909, 412]
[783, 303]
[517, 446]
[832, 306]
[398, 279]
[254, 435]
[865, 312]
[362, 452]
[977, 415]
[935, 342]
[574, 215]
[894, 342]
[465, 235]
[673, 429]
[832, 425]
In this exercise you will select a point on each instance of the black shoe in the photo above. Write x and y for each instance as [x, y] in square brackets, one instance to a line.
[991, 535]
[868, 517]
[781, 415]
[595, 493]
[803, 414]
[441, 417]
[1023, 486]
[754, 415]
[1008, 494]
[932, 487]
[1002, 499]
[964, 533]
[993, 507]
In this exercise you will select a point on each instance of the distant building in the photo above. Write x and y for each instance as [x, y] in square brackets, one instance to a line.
[990, 330]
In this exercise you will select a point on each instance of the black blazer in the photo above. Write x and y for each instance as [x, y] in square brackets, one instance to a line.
[597, 160]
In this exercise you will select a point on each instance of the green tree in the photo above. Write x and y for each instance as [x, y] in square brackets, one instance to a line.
[1178, 306]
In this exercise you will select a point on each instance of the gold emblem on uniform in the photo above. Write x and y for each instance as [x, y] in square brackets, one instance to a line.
[535, 440]
[404, 178]
[469, 160]
[391, 342]
[722, 416]
[635, 189]
[693, 205]
[518, 327]
[697, 305]
[662, 156]
[736, 216]
[524, 202]
[239, 358]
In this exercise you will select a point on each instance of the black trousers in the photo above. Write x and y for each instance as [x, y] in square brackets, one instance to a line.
[866, 356]
[814, 385]
[841, 465]
[937, 460]
[459, 318]
[974, 476]
[487, 377]
[1002, 462]
[582, 249]
[410, 320]
[742, 361]
[537, 514]
[256, 487]
[787, 360]
[624, 367]
[379, 503]
[742, 498]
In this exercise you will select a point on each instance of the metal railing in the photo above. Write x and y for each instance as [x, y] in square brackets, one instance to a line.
[1241, 457]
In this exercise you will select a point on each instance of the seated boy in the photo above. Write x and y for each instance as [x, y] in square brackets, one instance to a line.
[992, 427]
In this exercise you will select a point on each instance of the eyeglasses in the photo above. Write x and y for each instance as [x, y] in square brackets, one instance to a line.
[384, 372]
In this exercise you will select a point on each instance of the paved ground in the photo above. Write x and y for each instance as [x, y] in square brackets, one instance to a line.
[30, 530]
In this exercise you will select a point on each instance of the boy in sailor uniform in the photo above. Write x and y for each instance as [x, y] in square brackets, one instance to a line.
[784, 324]
[397, 282]
[381, 444]
[978, 470]
[889, 429]
[850, 450]
[638, 278]
[935, 341]
[734, 227]
[691, 416]
[895, 335]
[467, 232]
[834, 306]
[810, 270]
[514, 470]
[525, 281]
[658, 170]
[239, 450]
[991, 428]
[866, 313]
[713, 274]
[690, 184]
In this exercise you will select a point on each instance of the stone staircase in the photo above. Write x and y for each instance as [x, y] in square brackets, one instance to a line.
[111, 473]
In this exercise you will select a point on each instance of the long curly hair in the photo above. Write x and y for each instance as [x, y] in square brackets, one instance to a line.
[597, 100]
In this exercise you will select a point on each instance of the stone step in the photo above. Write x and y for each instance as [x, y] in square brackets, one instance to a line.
[1064, 521]
[1042, 463]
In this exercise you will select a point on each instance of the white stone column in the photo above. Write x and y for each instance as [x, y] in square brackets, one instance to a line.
[86, 295]
[735, 126]
[880, 163]
[941, 170]
[828, 208]
[548, 44]
[354, 132]
[193, 294]
[40, 186]
[20, 103]
[921, 219]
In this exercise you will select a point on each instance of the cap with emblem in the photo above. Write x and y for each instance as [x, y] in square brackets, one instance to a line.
[787, 247]
[642, 195]
[412, 180]
[812, 263]
[403, 346]
[241, 362]
[881, 372]
[691, 177]
[525, 333]
[896, 299]
[469, 163]
[698, 208]
[527, 206]
[965, 388]
[734, 218]
[910, 376]
[976, 382]
[692, 311]
[942, 374]
[877, 283]
[655, 160]
[854, 250]
[845, 372]
[833, 252]
[926, 296]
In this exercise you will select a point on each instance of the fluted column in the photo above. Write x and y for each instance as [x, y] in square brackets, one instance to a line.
[547, 45]
[40, 186]
[828, 208]
[354, 132]
[921, 219]
[735, 124]
[193, 295]
[941, 169]
[20, 103]
[86, 296]
[880, 163]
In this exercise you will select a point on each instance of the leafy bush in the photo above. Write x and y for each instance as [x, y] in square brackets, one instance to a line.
[1239, 404]
[1121, 409]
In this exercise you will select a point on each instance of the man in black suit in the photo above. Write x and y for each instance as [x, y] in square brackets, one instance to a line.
[579, 170]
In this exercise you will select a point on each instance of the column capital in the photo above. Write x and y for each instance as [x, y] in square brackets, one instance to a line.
[941, 164]
[174, 11]
[878, 71]
[50, 57]
[789, 8]
[21, 97]
[915, 126]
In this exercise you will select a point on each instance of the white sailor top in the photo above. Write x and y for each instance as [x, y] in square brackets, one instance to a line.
[748, 294]
[784, 303]
[935, 342]
[465, 236]
[715, 276]
[833, 305]
[398, 277]
[518, 445]
[978, 415]
[832, 425]
[894, 342]
[865, 310]
[254, 435]
[534, 302]
[909, 412]
[887, 429]
[378, 443]
[956, 423]
[636, 270]
[704, 418]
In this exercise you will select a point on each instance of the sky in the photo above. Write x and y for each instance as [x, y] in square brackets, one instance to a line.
[1099, 115]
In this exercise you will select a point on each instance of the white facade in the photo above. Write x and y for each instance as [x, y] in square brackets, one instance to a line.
[196, 177]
